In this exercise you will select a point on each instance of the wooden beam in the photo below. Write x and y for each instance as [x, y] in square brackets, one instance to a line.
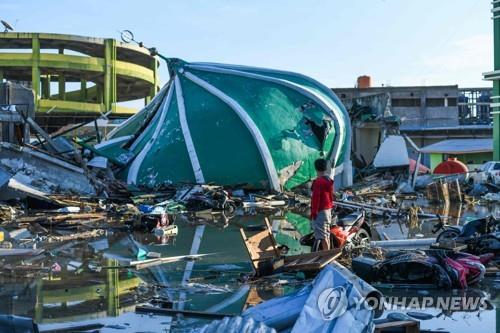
[187, 313]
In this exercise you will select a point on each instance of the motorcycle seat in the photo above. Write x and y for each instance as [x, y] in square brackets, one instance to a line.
[348, 220]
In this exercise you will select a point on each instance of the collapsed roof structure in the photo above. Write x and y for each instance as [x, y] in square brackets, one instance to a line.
[232, 125]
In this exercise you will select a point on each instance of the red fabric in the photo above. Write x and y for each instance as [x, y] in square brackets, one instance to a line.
[422, 169]
[339, 233]
[322, 195]
[451, 166]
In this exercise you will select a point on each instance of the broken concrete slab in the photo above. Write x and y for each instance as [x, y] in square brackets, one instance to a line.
[37, 174]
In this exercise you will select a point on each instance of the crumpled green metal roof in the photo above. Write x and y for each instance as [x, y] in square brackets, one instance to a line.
[231, 125]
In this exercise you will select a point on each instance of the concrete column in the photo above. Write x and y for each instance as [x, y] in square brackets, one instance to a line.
[156, 83]
[83, 90]
[62, 82]
[99, 96]
[35, 69]
[46, 87]
[423, 107]
[62, 87]
[110, 74]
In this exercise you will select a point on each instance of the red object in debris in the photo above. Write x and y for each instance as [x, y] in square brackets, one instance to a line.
[422, 169]
[340, 235]
[486, 258]
[451, 166]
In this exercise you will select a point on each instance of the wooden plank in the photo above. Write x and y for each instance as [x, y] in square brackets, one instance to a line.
[310, 261]
[253, 298]
[74, 328]
[260, 246]
[270, 231]
[187, 313]
[141, 264]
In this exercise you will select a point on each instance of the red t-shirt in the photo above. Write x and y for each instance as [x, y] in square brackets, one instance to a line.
[322, 195]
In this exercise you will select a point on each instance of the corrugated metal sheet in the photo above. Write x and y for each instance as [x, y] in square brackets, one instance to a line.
[460, 146]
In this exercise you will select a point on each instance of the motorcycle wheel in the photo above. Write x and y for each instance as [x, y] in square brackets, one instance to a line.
[362, 238]
[448, 234]
[229, 209]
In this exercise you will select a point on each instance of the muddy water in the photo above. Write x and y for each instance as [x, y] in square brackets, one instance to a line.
[87, 285]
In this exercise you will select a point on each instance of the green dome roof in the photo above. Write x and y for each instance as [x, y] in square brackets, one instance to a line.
[231, 125]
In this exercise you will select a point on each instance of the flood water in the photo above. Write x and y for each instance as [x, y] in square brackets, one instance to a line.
[88, 283]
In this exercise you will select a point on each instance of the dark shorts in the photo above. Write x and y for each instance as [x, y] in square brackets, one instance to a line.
[322, 223]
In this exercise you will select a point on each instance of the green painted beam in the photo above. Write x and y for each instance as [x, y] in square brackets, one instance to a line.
[112, 291]
[83, 90]
[69, 106]
[100, 56]
[62, 82]
[80, 107]
[46, 86]
[35, 69]
[54, 61]
[80, 63]
[62, 87]
[109, 92]
[136, 71]
[156, 84]
[57, 38]
[87, 293]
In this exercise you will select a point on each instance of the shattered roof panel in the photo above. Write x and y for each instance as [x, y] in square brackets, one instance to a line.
[232, 125]
[460, 146]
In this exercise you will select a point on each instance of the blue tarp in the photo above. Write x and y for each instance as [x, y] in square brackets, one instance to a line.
[332, 303]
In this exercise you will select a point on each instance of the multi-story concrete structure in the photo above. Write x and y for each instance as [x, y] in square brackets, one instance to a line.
[421, 107]
[430, 114]
[75, 76]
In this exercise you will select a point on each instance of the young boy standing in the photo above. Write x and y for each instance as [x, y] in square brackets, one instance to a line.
[321, 206]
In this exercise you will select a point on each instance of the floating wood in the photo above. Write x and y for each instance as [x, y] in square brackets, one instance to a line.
[77, 236]
[264, 254]
[141, 264]
[314, 261]
[187, 313]
[260, 246]
[73, 328]
[253, 298]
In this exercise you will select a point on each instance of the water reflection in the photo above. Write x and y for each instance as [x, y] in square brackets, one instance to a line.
[87, 281]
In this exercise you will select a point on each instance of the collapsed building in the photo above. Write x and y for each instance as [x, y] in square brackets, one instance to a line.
[232, 125]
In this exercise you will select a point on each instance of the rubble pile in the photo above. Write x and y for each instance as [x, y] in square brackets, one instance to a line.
[66, 214]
